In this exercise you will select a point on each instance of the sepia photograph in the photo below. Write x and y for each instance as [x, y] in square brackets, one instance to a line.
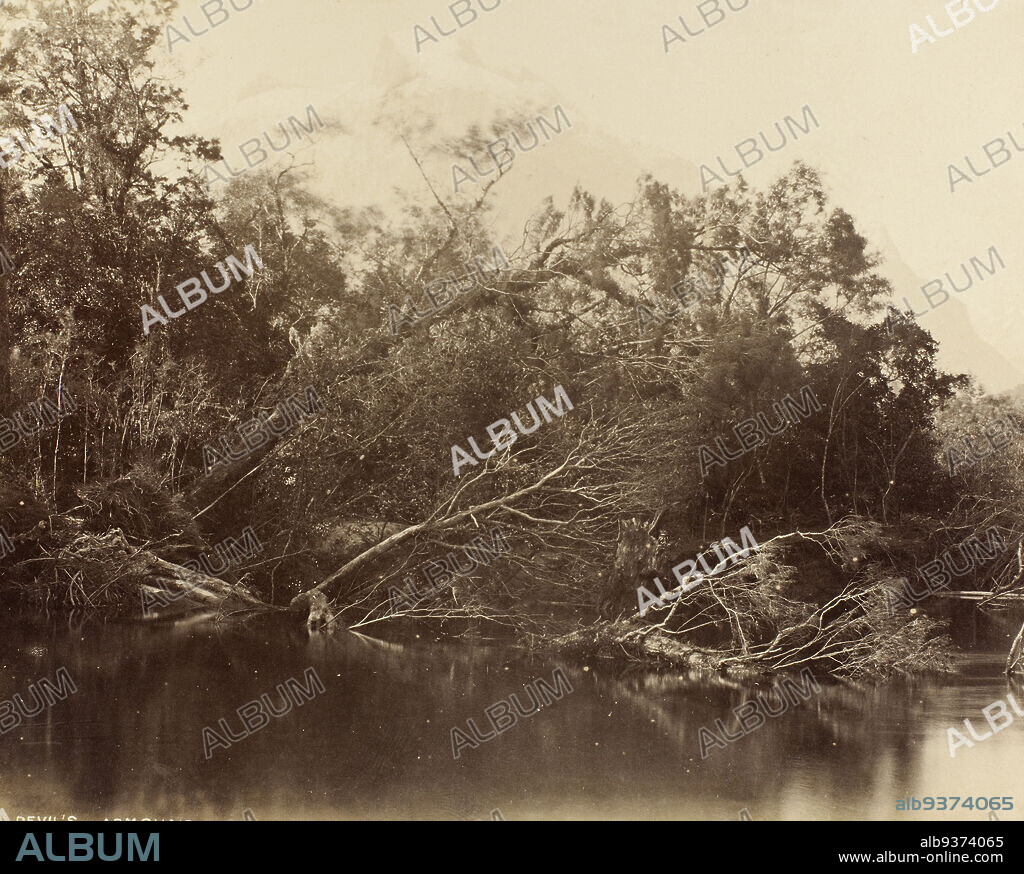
[502, 410]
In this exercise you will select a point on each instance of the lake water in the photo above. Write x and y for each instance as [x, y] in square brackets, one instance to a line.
[377, 742]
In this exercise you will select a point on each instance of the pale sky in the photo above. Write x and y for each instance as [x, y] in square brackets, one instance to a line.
[890, 121]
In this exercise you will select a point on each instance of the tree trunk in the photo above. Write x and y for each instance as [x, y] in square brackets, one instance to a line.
[205, 493]
[165, 577]
[1014, 656]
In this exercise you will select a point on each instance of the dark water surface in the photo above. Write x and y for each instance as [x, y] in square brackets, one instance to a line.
[377, 742]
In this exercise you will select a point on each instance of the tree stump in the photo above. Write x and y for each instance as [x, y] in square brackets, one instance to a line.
[314, 604]
[636, 555]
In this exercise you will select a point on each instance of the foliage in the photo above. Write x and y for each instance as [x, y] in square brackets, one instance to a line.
[106, 217]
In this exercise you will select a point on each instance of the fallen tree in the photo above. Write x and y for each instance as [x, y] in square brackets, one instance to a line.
[559, 517]
[757, 616]
[105, 570]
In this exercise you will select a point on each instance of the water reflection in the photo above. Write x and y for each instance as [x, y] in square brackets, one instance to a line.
[377, 743]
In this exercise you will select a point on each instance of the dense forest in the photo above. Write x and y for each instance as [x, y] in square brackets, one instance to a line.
[179, 365]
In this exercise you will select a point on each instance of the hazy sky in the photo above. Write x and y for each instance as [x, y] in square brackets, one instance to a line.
[891, 121]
